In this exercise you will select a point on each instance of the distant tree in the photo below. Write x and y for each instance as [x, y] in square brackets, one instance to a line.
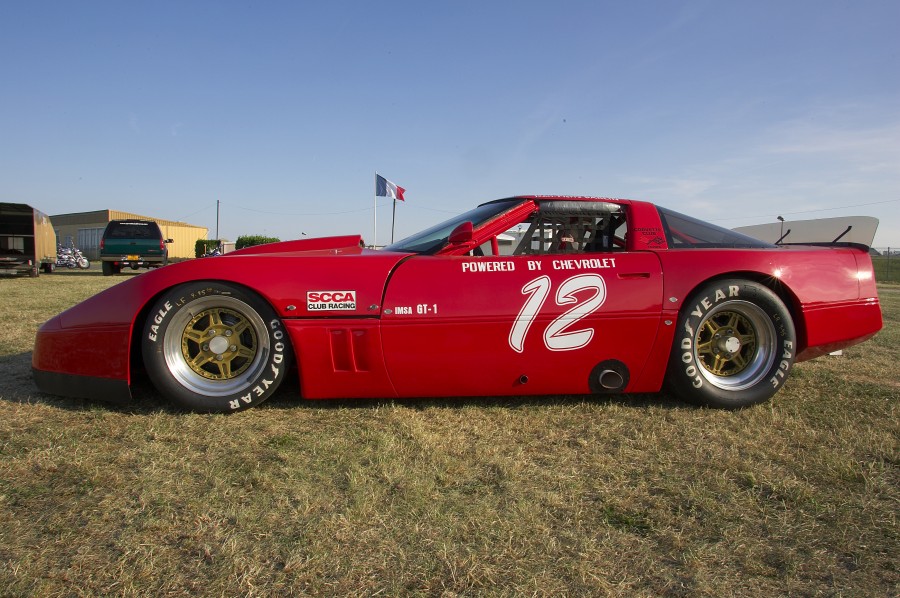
[251, 240]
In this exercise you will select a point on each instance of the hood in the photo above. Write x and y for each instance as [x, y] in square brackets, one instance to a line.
[350, 243]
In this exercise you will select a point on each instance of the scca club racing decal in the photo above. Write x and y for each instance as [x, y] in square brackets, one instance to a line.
[331, 300]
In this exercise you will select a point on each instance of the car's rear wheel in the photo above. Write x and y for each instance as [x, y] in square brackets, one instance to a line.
[212, 346]
[734, 345]
[108, 269]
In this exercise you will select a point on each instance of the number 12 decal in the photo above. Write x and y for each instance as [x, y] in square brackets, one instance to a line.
[557, 337]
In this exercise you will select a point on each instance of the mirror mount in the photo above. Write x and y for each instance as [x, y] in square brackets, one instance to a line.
[462, 234]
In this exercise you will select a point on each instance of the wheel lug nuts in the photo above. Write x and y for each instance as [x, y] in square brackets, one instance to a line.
[227, 333]
[206, 347]
[219, 358]
[233, 348]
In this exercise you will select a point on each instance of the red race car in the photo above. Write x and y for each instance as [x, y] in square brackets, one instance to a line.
[529, 295]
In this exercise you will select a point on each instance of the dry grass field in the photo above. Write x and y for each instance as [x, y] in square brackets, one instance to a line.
[631, 496]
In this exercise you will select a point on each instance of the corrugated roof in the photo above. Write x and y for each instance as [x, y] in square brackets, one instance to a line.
[107, 215]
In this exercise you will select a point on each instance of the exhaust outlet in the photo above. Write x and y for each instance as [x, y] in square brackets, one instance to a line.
[611, 380]
[609, 376]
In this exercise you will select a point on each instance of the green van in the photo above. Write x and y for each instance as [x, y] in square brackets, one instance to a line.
[132, 244]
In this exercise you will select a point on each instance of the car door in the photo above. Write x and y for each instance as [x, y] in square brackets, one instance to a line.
[518, 324]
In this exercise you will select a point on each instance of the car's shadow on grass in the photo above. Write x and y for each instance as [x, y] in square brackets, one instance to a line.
[92, 272]
[16, 383]
[639, 401]
[18, 386]
[73, 272]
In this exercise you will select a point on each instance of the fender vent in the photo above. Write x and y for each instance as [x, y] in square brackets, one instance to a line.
[349, 349]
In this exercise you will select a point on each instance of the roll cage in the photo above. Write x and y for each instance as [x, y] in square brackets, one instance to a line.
[551, 226]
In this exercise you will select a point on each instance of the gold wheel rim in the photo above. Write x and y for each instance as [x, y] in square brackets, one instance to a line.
[726, 343]
[219, 343]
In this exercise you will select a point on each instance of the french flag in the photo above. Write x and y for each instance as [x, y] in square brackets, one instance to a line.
[385, 188]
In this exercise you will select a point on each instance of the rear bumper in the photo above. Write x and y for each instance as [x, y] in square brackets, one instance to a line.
[837, 326]
[123, 259]
[142, 262]
[17, 266]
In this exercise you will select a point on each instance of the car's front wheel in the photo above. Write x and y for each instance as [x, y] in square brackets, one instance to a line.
[212, 346]
[734, 345]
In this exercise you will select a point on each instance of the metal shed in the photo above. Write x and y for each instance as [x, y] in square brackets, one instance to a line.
[84, 229]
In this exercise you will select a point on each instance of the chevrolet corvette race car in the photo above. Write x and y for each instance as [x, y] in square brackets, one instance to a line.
[530, 295]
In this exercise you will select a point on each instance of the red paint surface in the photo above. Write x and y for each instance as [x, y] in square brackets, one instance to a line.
[441, 325]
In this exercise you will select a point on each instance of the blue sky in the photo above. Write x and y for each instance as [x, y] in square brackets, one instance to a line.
[733, 112]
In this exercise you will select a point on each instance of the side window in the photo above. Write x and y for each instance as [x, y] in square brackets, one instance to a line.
[502, 244]
[482, 250]
[684, 232]
[568, 227]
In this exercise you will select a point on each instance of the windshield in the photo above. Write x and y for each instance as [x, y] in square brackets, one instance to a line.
[433, 239]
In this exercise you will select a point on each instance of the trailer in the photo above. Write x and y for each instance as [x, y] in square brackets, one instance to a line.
[27, 240]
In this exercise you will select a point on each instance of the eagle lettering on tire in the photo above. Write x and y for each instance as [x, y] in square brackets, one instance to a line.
[734, 345]
[213, 346]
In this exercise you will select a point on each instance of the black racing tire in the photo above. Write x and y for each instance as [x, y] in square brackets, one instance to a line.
[108, 269]
[734, 345]
[215, 347]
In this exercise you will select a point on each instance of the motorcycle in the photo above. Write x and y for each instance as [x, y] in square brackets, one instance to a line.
[71, 257]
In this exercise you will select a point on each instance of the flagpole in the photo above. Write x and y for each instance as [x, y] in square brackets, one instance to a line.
[375, 216]
[393, 219]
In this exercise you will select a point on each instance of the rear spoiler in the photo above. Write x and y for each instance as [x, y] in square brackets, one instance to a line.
[853, 231]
